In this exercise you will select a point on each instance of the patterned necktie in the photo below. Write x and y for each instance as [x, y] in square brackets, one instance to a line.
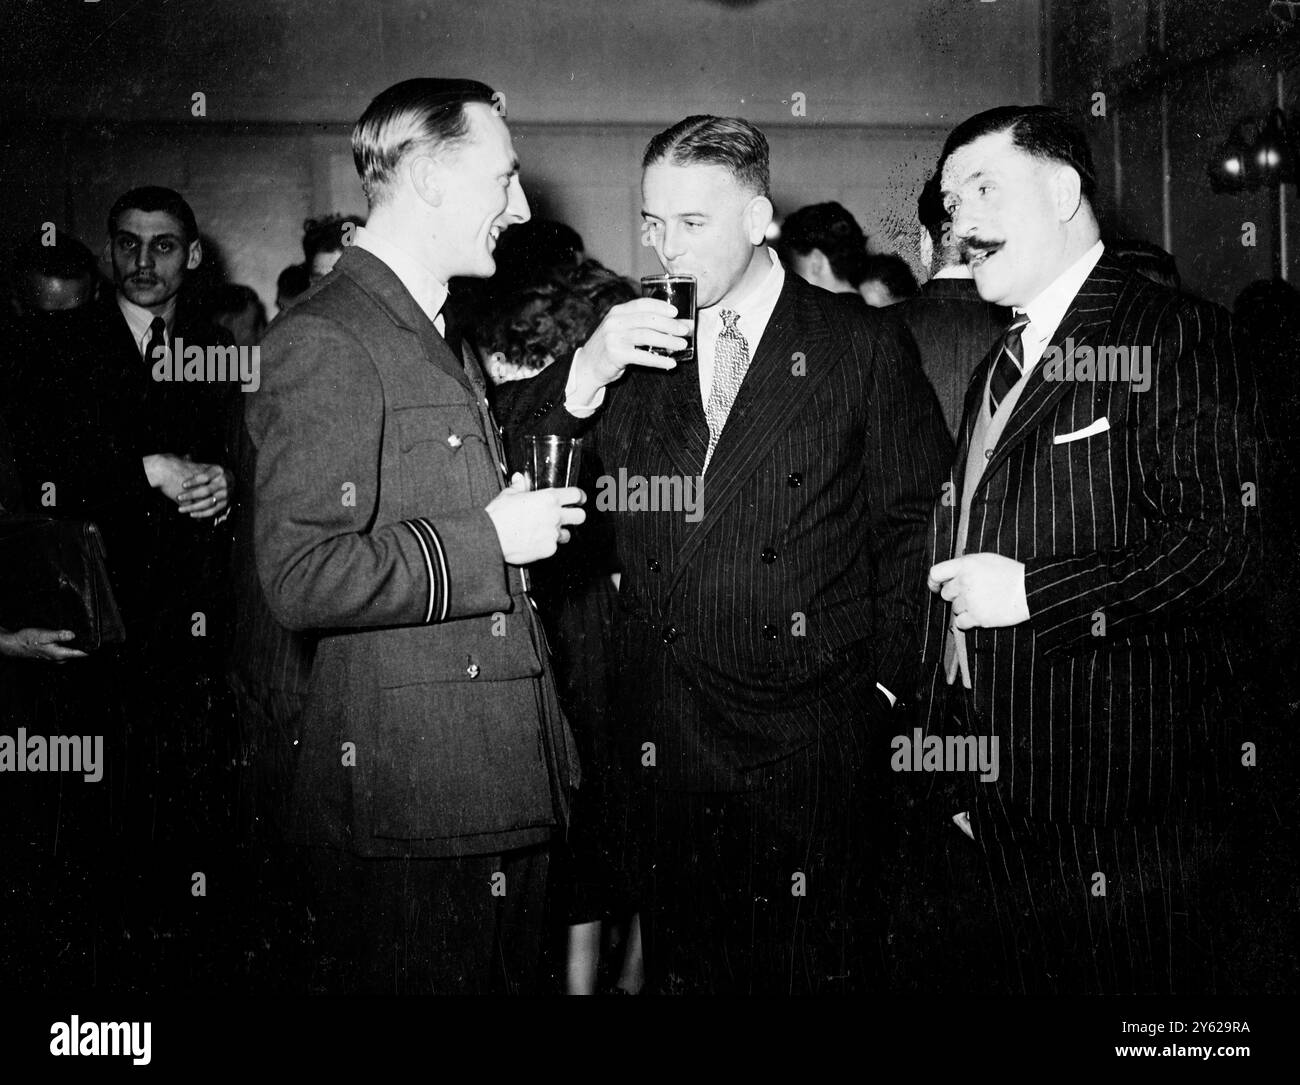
[157, 338]
[1008, 367]
[730, 363]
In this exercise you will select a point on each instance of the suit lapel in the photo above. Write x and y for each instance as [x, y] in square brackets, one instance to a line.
[678, 418]
[770, 396]
[1087, 317]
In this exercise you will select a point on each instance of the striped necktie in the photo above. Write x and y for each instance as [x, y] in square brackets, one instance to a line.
[730, 363]
[1009, 366]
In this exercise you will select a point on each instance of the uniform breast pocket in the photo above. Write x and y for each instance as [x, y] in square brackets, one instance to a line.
[440, 444]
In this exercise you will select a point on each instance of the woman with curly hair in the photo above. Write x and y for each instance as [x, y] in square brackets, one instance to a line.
[542, 321]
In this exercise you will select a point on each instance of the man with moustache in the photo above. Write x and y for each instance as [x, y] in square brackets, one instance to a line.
[1099, 532]
[762, 647]
[433, 766]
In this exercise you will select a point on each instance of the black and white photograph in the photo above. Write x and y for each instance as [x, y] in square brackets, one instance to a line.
[786, 502]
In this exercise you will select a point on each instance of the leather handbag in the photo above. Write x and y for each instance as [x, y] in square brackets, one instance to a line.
[54, 575]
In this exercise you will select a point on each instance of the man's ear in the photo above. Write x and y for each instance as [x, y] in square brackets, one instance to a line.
[758, 217]
[428, 179]
[1067, 190]
[196, 255]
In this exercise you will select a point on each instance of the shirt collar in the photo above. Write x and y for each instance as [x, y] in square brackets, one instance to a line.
[1046, 311]
[138, 319]
[758, 299]
[429, 292]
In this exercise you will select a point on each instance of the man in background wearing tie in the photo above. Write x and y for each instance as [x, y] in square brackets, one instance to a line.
[1100, 518]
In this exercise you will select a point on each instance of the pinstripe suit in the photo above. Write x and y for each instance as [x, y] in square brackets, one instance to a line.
[1112, 702]
[751, 642]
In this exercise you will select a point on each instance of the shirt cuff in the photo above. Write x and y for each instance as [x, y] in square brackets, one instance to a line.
[585, 406]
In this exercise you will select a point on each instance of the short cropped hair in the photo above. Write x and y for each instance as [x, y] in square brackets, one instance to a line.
[67, 258]
[830, 228]
[325, 234]
[424, 114]
[731, 142]
[930, 211]
[155, 198]
[892, 272]
[1038, 130]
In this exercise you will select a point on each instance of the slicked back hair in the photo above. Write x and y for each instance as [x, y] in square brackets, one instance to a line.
[830, 228]
[1038, 130]
[731, 142]
[155, 198]
[417, 114]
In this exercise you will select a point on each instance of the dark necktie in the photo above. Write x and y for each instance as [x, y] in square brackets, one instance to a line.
[157, 338]
[1008, 367]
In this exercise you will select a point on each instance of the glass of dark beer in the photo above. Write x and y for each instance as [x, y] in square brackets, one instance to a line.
[553, 461]
[679, 292]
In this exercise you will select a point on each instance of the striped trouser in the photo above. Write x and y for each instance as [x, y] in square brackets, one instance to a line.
[1083, 909]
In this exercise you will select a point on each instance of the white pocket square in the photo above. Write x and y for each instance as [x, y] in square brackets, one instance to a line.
[1100, 426]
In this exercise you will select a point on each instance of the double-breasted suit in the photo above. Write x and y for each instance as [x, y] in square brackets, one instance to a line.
[756, 623]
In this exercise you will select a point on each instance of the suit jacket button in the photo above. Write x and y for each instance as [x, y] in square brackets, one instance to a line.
[670, 633]
[988, 453]
[771, 632]
[794, 480]
[652, 564]
[768, 555]
[472, 670]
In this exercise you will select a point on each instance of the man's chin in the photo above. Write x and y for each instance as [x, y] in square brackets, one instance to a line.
[990, 286]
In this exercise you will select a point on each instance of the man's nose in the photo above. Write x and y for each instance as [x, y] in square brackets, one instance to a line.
[963, 223]
[672, 246]
[517, 207]
[143, 256]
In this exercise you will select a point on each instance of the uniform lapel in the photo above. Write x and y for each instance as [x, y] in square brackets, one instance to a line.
[379, 281]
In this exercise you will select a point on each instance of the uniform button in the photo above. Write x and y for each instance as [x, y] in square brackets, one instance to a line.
[988, 453]
[670, 634]
[454, 441]
[768, 555]
[652, 564]
[771, 632]
[794, 480]
[472, 670]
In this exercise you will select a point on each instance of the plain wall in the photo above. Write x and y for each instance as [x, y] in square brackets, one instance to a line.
[105, 99]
